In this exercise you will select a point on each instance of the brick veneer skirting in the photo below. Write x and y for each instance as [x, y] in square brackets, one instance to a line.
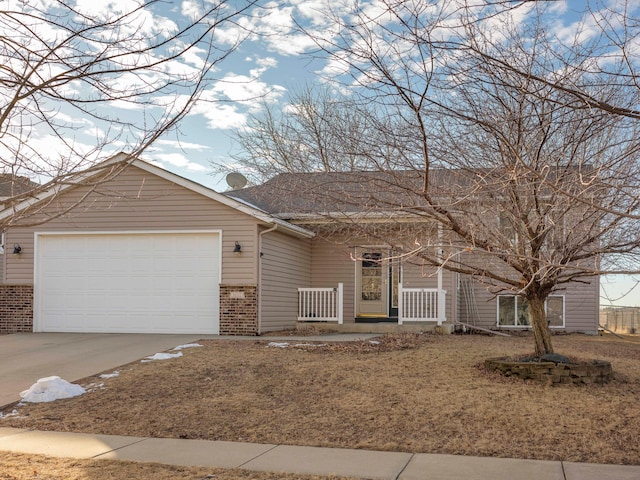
[16, 308]
[238, 310]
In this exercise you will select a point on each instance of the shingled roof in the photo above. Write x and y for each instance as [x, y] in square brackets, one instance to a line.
[12, 185]
[292, 194]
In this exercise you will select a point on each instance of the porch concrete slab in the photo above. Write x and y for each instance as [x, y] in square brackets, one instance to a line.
[27, 357]
[331, 461]
[63, 444]
[592, 471]
[454, 467]
[193, 453]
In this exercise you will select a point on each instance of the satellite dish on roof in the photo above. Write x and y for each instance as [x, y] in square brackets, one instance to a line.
[236, 180]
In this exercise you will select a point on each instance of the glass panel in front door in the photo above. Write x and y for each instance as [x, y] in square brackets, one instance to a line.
[371, 276]
[372, 281]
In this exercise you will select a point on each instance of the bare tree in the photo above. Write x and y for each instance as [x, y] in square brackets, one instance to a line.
[593, 66]
[485, 150]
[316, 132]
[122, 75]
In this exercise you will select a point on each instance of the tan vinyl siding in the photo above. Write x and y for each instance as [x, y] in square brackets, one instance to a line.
[140, 201]
[581, 307]
[332, 264]
[286, 266]
[414, 276]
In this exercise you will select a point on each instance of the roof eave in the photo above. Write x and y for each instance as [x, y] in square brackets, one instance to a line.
[330, 217]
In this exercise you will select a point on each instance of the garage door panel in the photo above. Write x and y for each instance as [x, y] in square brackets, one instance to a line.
[165, 283]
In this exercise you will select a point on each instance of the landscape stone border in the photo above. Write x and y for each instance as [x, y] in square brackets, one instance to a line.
[595, 371]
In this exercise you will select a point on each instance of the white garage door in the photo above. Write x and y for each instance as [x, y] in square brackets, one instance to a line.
[127, 283]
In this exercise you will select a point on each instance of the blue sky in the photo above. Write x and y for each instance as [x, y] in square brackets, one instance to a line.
[269, 63]
[264, 68]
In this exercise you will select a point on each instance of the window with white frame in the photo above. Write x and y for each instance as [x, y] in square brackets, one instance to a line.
[514, 311]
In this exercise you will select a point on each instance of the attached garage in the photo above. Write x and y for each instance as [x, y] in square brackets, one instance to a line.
[127, 247]
[140, 282]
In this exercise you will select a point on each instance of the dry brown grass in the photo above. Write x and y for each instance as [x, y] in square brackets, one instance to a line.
[410, 393]
[38, 467]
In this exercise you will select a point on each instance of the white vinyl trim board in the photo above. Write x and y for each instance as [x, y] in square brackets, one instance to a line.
[127, 282]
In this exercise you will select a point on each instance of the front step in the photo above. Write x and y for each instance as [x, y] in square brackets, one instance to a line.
[389, 320]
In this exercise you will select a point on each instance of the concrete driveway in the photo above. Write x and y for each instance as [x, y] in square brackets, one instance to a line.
[26, 357]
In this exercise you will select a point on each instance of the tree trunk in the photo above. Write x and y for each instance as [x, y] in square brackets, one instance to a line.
[539, 325]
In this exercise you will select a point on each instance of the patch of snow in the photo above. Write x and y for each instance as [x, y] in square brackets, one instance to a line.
[162, 356]
[188, 345]
[49, 389]
[14, 413]
[303, 345]
[278, 344]
[374, 342]
[111, 375]
[92, 387]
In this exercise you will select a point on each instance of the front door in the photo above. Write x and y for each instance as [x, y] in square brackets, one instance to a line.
[372, 284]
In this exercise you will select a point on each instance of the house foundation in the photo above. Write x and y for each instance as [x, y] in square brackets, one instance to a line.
[380, 327]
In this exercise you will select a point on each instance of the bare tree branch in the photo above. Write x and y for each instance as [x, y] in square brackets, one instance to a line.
[129, 75]
[527, 161]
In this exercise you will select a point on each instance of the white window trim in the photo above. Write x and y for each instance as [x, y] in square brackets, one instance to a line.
[523, 327]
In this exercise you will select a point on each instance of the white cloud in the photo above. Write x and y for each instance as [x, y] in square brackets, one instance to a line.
[182, 145]
[75, 120]
[191, 9]
[227, 103]
[140, 22]
[194, 56]
[244, 89]
[559, 7]
[264, 64]
[276, 19]
[223, 116]
[106, 7]
[173, 159]
[314, 11]
[336, 66]
[291, 44]
[272, 26]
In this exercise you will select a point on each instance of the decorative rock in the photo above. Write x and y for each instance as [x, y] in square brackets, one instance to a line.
[596, 371]
[555, 358]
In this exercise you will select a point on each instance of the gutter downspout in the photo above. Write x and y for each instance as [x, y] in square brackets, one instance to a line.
[269, 230]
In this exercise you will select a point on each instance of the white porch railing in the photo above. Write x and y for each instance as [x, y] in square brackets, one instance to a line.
[320, 304]
[421, 305]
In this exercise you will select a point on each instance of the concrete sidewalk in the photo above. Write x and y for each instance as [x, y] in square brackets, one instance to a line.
[303, 460]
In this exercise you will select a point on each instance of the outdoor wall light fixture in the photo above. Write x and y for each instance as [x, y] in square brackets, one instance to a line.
[237, 248]
[17, 248]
